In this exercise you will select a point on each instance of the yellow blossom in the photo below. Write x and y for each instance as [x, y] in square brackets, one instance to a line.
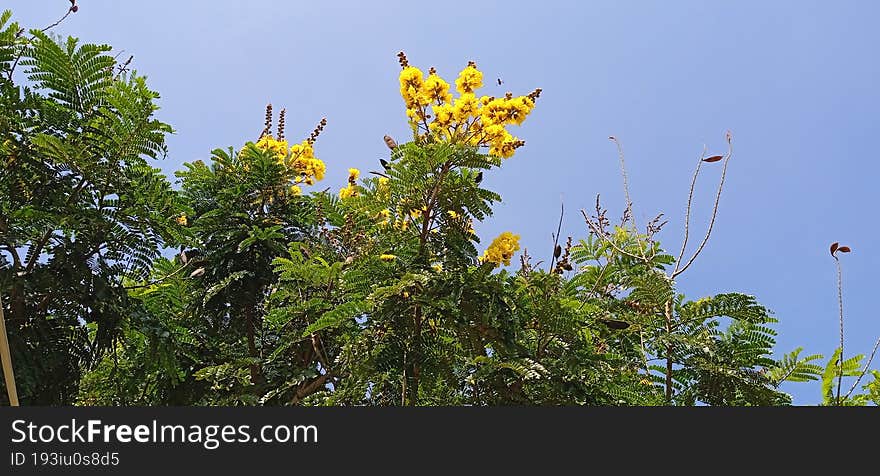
[353, 174]
[465, 107]
[435, 89]
[346, 192]
[502, 249]
[277, 147]
[386, 257]
[452, 214]
[385, 215]
[383, 184]
[415, 213]
[294, 190]
[181, 220]
[411, 84]
[443, 115]
[469, 79]
[437, 267]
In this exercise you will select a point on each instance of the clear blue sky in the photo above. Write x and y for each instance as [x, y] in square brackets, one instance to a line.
[795, 82]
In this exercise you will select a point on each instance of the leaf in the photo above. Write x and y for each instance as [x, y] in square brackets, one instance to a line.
[714, 158]
[338, 315]
[614, 324]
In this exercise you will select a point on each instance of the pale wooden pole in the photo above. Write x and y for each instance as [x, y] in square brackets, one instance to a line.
[6, 357]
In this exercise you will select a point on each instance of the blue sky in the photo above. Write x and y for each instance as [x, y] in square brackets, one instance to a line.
[794, 81]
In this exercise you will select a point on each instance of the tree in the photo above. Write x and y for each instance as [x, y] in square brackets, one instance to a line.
[81, 209]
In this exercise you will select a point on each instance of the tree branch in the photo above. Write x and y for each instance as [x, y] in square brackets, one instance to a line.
[714, 210]
[687, 214]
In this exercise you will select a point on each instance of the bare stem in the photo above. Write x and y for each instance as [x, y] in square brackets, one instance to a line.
[595, 229]
[840, 310]
[53, 25]
[714, 210]
[668, 315]
[6, 356]
[687, 213]
[864, 370]
[620, 156]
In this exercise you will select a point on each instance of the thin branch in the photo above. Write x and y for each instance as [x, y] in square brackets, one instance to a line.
[840, 310]
[864, 370]
[687, 214]
[53, 25]
[157, 281]
[6, 357]
[602, 237]
[37, 248]
[620, 156]
[714, 210]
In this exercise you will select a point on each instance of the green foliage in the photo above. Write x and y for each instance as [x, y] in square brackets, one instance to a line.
[374, 296]
[81, 209]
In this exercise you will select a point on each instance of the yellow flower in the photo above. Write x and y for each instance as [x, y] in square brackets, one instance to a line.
[520, 108]
[383, 184]
[437, 267]
[277, 147]
[495, 111]
[434, 89]
[415, 213]
[385, 215]
[465, 107]
[353, 174]
[443, 115]
[181, 220]
[469, 79]
[502, 249]
[386, 257]
[309, 168]
[294, 190]
[346, 192]
[452, 214]
[411, 82]
[505, 148]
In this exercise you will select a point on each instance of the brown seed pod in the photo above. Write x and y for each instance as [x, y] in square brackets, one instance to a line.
[390, 142]
[714, 158]
[614, 324]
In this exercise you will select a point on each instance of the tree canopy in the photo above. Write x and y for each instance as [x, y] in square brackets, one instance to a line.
[247, 284]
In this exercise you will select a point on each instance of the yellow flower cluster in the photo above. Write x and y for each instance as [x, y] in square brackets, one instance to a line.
[480, 122]
[348, 191]
[181, 220]
[386, 257]
[299, 159]
[351, 189]
[502, 249]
